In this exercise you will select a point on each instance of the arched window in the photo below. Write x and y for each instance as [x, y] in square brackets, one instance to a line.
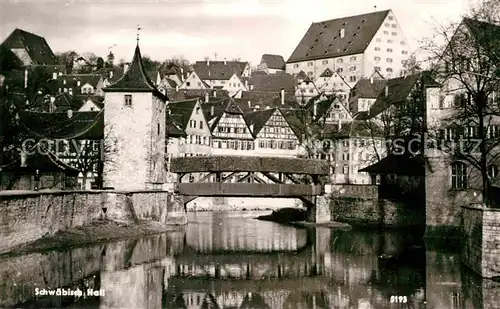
[458, 175]
[492, 171]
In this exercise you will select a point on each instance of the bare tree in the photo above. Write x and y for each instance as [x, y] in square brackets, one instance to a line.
[467, 65]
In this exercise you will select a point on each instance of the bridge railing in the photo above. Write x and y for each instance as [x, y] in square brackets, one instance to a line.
[249, 189]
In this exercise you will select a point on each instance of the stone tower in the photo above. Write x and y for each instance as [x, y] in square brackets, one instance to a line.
[134, 131]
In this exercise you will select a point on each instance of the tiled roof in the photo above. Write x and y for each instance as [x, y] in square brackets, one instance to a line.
[181, 111]
[398, 90]
[173, 128]
[91, 79]
[135, 78]
[219, 70]
[355, 128]
[258, 119]
[398, 164]
[367, 89]
[65, 102]
[218, 108]
[482, 31]
[273, 61]
[82, 125]
[36, 46]
[323, 40]
[272, 83]
[232, 107]
[44, 161]
[327, 73]
[185, 94]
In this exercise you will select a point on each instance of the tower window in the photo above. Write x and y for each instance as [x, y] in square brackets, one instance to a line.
[127, 99]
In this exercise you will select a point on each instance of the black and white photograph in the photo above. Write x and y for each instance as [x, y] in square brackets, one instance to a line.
[250, 154]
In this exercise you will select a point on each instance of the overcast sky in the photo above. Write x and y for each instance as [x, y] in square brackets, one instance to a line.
[197, 28]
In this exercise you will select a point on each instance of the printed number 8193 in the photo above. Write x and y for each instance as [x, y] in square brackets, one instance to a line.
[399, 299]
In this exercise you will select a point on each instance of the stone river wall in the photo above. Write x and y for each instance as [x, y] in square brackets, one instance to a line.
[28, 216]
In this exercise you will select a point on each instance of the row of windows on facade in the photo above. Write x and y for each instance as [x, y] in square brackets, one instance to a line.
[459, 175]
[362, 142]
[84, 90]
[361, 156]
[250, 145]
[222, 82]
[492, 131]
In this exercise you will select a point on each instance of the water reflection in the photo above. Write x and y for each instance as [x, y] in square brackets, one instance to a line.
[229, 260]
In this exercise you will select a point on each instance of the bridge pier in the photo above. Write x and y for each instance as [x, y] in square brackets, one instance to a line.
[318, 208]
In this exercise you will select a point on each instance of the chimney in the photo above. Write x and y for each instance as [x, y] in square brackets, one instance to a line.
[246, 84]
[70, 113]
[386, 91]
[249, 104]
[78, 83]
[206, 97]
[176, 87]
[371, 79]
[125, 67]
[110, 74]
[342, 33]
[208, 62]
[212, 110]
[225, 61]
[215, 93]
[182, 74]
[54, 75]
[282, 96]
[315, 109]
[26, 78]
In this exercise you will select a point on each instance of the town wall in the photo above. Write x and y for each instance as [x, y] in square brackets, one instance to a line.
[443, 212]
[481, 240]
[360, 205]
[28, 216]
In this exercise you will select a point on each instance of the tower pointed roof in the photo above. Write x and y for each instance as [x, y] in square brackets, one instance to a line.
[135, 78]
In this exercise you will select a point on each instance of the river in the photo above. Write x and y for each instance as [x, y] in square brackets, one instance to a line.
[230, 260]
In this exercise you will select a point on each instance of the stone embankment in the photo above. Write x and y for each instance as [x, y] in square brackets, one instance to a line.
[29, 216]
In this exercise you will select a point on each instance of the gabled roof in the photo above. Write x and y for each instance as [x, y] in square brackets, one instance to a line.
[323, 40]
[135, 78]
[232, 108]
[398, 90]
[181, 111]
[82, 125]
[217, 107]
[327, 73]
[64, 102]
[221, 70]
[398, 164]
[72, 79]
[173, 128]
[258, 119]
[369, 89]
[44, 161]
[272, 83]
[481, 30]
[186, 94]
[273, 61]
[355, 128]
[36, 46]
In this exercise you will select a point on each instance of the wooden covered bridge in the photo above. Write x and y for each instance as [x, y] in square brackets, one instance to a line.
[236, 176]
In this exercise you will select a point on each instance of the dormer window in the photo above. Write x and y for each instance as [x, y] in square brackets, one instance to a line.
[127, 100]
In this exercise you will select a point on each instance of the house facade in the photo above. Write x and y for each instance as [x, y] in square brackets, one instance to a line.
[226, 75]
[231, 134]
[273, 134]
[354, 47]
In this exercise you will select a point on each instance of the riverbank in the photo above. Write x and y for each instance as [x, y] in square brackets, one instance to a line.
[297, 217]
[95, 232]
